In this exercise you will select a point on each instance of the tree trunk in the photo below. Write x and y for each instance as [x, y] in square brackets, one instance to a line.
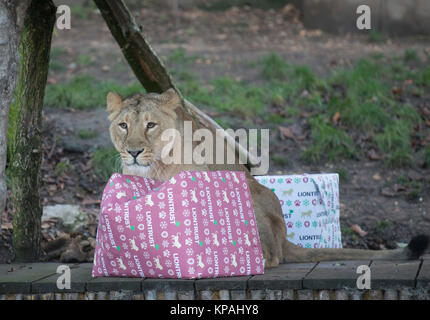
[149, 69]
[8, 78]
[26, 159]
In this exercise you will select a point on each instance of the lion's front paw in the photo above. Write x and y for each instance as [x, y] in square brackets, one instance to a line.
[271, 263]
[270, 253]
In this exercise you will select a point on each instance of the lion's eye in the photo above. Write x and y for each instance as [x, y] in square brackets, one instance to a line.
[123, 125]
[151, 125]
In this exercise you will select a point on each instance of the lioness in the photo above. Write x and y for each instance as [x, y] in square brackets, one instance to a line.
[136, 127]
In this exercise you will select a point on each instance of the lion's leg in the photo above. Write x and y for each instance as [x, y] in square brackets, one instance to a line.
[270, 223]
[272, 251]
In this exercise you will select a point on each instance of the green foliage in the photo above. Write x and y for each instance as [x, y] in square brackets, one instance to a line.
[362, 95]
[383, 225]
[223, 122]
[84, 60]
[376, 37]
[274, 67]
[86, 134]
[222, 5]
[347, 231]
[63, 167]
[231, 95]
[305, 77]
[328, 142]
[410, 55]
[82, 11]
[105, 162]
[54, 64]
[395, 142]
[84, 92]
[414, 188]
[298, 83]
[343, 174]
[281, 160]
[361, 83]
[423, 77]
[224, 94]
[179, 56]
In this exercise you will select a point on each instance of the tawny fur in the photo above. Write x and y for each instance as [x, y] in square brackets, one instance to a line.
[164, 110]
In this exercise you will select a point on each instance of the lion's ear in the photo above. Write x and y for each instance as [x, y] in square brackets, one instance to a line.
[170, 99]
[113, 101]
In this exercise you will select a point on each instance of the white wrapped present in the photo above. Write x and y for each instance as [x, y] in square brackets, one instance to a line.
[310, 205]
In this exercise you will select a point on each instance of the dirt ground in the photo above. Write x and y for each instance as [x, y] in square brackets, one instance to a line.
[225, 43]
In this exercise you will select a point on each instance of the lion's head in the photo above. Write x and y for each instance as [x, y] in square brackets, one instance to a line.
[137, 124]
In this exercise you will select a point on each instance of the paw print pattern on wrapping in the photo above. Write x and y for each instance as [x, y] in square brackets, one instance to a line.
[144, 246]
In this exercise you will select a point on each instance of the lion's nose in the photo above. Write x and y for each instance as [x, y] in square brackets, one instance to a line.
[135, 153]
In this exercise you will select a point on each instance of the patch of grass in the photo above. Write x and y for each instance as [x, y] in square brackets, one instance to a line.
[280, 160]
[223, 94]
[406, 113]
[362, 82]
[367, 104]
[238, 96]
[276, 97]
[192, 88]
[423, 77]
[377, 56]
[57, 51]
[343, 174]
[274, 67]
[298, 83]
[348, 232]
[415, 189]
[328, 142]
[223, 5]
[84, 60]
[376, 37]
[383, 225]
[403, 180]
[275, 119]
[410, 55]
[105, 162]
[84, 92]
[395, 142]
[360, 95]
[120, 67]
[363, 95]
[82, 11]
[179, 56]
[86, 134]
[295, 87]
[63, 167]
[223, 122]
[54, 64]
[305, 77]
[367, 116]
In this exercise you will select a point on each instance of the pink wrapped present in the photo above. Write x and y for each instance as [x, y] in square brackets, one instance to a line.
[195, 225]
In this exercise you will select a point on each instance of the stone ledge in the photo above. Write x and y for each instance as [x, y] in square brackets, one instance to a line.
[305, 281]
